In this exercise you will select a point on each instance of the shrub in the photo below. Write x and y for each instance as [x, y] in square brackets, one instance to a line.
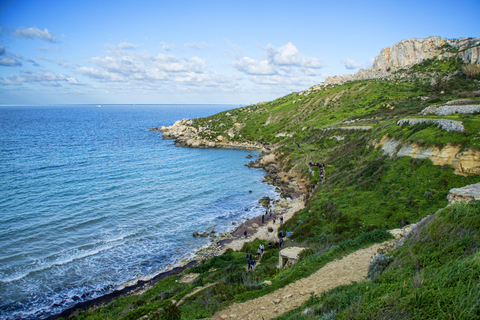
[171, 312]
[379, 263]
[471, 70]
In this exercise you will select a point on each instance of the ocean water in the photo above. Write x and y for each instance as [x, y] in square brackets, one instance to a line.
[91, 200]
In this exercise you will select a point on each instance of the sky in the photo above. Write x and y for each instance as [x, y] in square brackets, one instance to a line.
[202, 52]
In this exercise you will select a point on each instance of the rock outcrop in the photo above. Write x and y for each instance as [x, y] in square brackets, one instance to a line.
[466, 162]
[186, 135]
[465, 194]
[412, 51]
[407, 53]
[448, 125]
[452, 107]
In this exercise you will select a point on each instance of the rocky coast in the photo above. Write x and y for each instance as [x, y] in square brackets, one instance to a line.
[291, 190]
[291, 200]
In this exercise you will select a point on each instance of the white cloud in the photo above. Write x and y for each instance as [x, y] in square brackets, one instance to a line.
[350, 64]
[32, 33]
[285, 59]
[167, 46]
[8, 59]
[45, 78]
[254, 67]
[7, 62]
[197, 46]
[135, 70]
[288, 55]
[126, 45]
[283, 68]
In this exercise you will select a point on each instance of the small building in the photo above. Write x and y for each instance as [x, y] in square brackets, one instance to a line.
[289, 256]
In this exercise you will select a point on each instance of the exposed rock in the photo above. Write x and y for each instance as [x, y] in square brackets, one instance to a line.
[447, 109]
[195, 234]
[465, 194]
[466, 162]
[406, 53]
[248, 157]
[413, 51]
[449, 125]
[307, 312]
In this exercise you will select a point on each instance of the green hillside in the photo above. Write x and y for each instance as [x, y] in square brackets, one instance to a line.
[434, 275]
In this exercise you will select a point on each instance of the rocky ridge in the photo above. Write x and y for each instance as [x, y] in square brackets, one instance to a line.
[407, 53]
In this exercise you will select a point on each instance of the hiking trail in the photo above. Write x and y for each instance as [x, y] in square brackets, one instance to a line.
[351, 268]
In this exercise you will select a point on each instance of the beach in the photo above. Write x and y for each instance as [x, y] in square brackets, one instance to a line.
[284, 207]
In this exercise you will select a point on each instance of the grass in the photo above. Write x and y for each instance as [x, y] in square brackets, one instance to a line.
[433, 276]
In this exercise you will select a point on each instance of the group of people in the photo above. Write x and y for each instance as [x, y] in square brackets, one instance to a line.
[322, 173]
[269, 213]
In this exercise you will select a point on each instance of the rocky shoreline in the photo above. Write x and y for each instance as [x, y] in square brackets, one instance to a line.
[291, 201]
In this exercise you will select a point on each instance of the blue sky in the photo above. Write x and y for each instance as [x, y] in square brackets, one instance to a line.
[240, 52]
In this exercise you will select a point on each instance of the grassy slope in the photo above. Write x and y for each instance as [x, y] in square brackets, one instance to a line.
[365, 193]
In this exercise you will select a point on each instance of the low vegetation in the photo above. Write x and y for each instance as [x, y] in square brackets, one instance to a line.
[434, 275]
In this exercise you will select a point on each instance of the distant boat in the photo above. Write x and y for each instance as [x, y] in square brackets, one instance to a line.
[99, 106]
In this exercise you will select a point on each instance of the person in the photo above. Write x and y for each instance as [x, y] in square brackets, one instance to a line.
[269, 245]
[252, 264]
[262, 247]
[259, 253]
[281, 242]
[273, 220]
[276, 244]
[249, 256]
[245, 233]
[280, 234]
[298, 144]
[263, 218]
[281, 219]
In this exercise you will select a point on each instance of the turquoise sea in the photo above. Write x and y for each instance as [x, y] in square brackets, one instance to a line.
[90, 200]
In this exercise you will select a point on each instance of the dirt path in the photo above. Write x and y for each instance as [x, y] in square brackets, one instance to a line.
[352, 267]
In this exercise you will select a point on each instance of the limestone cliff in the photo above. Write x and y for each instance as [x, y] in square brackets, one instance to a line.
[407, 53]
[413, 51]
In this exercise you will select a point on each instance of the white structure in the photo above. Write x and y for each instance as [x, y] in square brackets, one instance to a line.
[289, 256]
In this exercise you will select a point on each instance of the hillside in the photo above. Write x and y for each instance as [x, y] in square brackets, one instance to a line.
[394, 140]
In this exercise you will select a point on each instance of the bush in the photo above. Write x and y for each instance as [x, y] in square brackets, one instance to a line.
[172, 312]
[379, 263]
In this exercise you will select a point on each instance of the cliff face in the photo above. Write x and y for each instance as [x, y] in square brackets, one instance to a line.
[407, 53]
[413, 51]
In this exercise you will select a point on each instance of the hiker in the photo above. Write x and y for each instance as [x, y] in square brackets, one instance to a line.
[245, 233]
[259, 253]
[262, 247]
[273, 220]
[276, 244]
[269, 245]
[280, 234]
[298, 144]
[249, 256]
[263, 218]
[281, 242]
[281, 219]
[252, 264]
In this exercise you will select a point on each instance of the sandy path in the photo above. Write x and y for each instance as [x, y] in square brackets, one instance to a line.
[287, 209]
[352, 267]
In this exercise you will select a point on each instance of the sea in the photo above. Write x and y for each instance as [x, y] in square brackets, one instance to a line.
[91, 200]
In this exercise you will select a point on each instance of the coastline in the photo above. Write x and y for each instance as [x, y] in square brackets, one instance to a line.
[235, 239]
